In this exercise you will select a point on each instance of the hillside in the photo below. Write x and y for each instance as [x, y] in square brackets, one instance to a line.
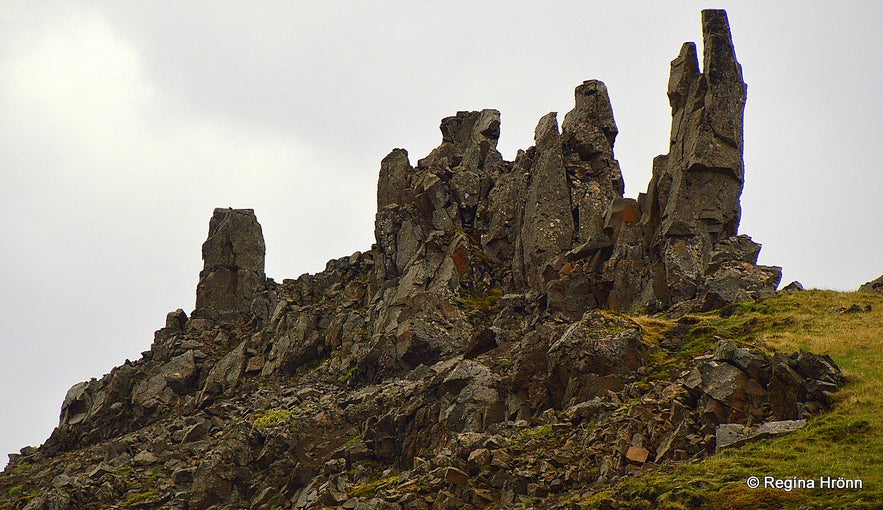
[521, 335]
[846, 442]
[574, 457]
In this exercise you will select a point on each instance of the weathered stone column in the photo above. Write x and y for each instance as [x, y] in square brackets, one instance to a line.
[233, 271]
[690, 214]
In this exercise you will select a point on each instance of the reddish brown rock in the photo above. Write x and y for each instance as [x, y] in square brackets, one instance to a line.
[637, 454]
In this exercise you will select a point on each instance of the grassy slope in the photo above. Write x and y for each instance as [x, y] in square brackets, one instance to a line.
[846, 442]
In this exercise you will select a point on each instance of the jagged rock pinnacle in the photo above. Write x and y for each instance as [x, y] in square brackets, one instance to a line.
[691, 210]
[233, 256]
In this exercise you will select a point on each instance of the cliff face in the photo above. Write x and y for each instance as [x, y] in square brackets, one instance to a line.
[554, 222]
[476, 315]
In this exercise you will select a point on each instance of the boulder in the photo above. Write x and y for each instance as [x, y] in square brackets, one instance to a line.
[226, 373]
[733, 249]
[595, 354]
[739, 281]
[176, 375]
[470, 399]
[743, 385]
[727, 393]
[296, 341]
[734, 435]
[794, 286]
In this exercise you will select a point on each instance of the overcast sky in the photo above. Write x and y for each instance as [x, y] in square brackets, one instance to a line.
[124, 123]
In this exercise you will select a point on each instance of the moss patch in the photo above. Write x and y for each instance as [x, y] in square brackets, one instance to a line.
[272, 417]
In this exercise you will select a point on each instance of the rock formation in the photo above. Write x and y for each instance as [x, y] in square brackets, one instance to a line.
[233, 271]
[555, 219]
[875, 286]
[484, 317]
[685, 247]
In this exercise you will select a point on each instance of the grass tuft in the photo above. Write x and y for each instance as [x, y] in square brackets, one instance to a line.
[272, 417]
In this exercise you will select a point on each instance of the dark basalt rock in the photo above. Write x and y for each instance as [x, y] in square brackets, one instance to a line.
[690, 214]
[233, 271]
[472, 327]
[556, 220]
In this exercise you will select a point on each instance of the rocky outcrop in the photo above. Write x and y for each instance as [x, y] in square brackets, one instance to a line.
[738, 385]
[685, 247]
[555, 223]
[557, 407]
[233, 272]
[875, 286]
[232, 289]
[476, 355]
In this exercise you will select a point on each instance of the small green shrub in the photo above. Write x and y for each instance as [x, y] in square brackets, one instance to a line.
[353, 441]
[272, 417]
[370, 488]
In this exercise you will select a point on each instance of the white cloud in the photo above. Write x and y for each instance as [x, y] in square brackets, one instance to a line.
[82, 75]
[106, 198]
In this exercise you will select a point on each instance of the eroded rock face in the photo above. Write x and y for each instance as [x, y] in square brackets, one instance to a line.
[686, 248]
[555, 218]
[233, 271]
[694, 195]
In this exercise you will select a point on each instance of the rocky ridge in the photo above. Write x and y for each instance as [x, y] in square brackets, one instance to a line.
[477, 356]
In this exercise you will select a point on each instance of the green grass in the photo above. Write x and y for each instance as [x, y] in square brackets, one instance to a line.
[371, 488]
[342, 379]
[845, 442]
[156, 474]
[483, 300]
[272, 417]
[530, 435]
[352, 441]
[141, 498]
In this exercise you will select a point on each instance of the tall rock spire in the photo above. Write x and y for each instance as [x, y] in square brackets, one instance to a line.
[233, 272]
[694, 194]
[691, 211]
[704, 166]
